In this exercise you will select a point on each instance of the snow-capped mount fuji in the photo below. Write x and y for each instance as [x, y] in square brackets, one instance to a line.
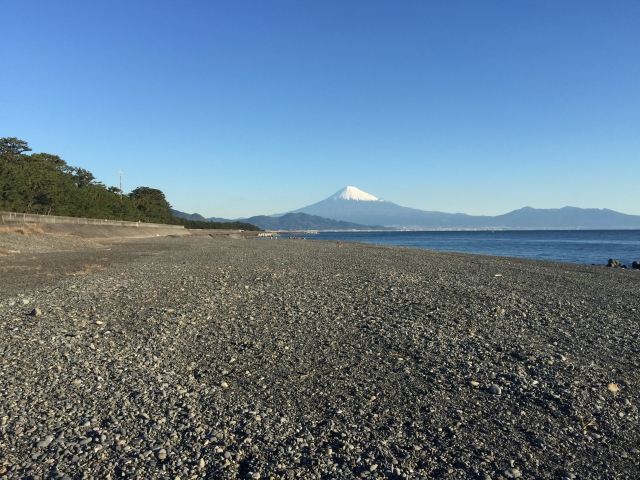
[354, 193]
[351, 204]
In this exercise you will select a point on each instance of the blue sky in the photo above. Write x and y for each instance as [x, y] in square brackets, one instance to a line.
[240, 108]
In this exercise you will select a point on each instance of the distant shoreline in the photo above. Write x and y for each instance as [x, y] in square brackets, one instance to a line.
[474, 230]
[595, 247]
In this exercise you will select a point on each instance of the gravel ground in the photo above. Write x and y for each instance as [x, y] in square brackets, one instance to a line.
[218, 358]
[25, 240]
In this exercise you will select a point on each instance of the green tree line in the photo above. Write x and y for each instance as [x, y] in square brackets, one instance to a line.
[45, 184]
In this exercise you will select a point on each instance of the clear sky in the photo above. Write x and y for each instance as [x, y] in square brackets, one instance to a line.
[239, 108]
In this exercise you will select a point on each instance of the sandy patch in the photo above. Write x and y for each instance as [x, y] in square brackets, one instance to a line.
[34, 240]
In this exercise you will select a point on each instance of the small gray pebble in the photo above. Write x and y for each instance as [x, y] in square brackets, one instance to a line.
[495, 389]
[45, 442]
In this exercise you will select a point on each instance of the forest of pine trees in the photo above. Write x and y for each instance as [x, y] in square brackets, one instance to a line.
[43, 183]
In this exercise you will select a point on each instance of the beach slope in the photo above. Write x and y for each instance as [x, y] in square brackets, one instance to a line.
[213, 357]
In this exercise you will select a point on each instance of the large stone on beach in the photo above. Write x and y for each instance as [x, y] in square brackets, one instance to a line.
[635, 264]
[46, 442]
[613, 263]
[512, 473]
[495, 389]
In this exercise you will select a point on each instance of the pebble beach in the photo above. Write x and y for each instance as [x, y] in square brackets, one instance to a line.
[211, 357]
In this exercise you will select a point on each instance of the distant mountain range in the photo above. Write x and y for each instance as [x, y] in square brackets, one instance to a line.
[288, 222]
[198, 217]
[363, 211]
[353, 205]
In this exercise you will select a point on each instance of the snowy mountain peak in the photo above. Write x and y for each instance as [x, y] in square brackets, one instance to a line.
[353, 193]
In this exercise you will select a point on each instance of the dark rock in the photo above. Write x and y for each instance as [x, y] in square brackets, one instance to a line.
[613, 263]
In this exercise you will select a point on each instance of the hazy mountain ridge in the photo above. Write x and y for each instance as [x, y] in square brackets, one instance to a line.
[200, 218]
[288, 222]
[568, 218]
[381, 212]
[189, 216]
[363, 211]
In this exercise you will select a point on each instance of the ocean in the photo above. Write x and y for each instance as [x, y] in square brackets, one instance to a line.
[574, 246]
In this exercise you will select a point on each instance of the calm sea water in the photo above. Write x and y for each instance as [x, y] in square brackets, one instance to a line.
[575, 246]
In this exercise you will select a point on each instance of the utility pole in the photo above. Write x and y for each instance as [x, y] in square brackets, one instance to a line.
[120, 186]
